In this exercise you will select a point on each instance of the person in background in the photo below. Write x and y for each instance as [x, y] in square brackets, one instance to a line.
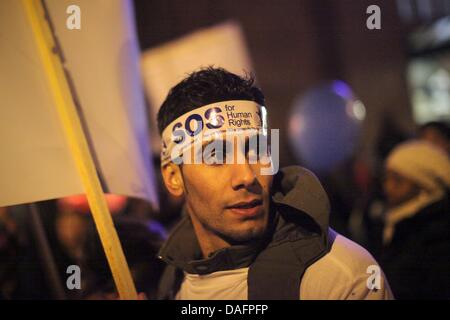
[437, 133]
[33, 281]
[65, 222]
[140, 243]
[9, 249]
[416, 237]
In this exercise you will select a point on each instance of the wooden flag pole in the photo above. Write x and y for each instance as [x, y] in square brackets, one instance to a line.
[76, 138]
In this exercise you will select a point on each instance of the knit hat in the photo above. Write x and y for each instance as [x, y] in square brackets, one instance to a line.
[422, 162]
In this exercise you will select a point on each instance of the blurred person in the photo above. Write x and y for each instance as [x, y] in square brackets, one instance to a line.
[9, 247]
[74, 215]
[416, 237]
[140, 244]
[33, 282]
[375, 202]
[65, 222]
[70, 229]
[247, 235]
[437, 133]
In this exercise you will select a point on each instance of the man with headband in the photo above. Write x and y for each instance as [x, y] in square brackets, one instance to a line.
[250, 231]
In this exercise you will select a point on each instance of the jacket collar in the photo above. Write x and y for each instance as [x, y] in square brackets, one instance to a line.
[300, 209]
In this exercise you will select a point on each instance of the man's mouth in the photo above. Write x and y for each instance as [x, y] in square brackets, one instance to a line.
[247, 208]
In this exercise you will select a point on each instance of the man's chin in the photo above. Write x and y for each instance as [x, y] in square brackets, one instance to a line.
[237, 236]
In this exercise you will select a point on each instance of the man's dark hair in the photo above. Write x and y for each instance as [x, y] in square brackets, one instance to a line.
[203, 87]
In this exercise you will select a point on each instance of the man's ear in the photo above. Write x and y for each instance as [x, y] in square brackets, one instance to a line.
[173, 179]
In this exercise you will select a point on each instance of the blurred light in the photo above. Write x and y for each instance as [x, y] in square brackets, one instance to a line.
[359, 111]
[296, 125]
[342, 89]
[79, 203]
[157, 228]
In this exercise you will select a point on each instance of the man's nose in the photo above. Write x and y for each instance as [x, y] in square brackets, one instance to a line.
[244, 176]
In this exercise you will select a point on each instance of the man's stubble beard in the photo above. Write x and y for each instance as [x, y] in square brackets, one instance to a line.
[233, 236]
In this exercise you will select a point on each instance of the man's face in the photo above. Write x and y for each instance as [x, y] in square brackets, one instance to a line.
[228, 201]
[398, 189]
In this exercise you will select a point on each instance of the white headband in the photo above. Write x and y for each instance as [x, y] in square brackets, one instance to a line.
[219, 117]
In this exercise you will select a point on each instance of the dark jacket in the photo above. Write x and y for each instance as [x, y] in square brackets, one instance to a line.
[417, 260]
[298, 235]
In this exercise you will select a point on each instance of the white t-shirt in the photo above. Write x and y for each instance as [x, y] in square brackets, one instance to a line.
[347, 272]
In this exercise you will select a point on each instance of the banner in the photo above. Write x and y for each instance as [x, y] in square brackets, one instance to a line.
[102, 59]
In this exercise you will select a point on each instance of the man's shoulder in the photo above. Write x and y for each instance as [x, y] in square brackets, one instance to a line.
[347, 256]
[346, 259]
[343, 273]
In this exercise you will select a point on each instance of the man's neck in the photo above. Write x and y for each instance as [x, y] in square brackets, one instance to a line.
[208, 241]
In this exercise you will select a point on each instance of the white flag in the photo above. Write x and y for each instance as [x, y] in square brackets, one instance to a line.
[102, 57]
